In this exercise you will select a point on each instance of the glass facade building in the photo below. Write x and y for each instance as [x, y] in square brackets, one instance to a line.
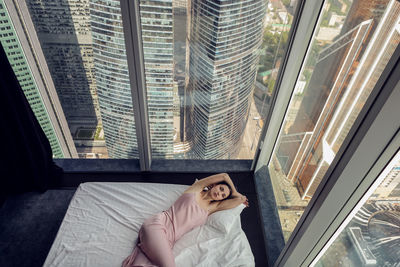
[224, 42]
[112, 79]
[64, 32]
[357, 58]
[112, 76]
[158, 50]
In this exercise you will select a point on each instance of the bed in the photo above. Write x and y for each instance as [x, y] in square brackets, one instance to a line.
[102, 222]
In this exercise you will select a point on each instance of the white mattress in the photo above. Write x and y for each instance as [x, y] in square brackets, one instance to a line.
[102, 222]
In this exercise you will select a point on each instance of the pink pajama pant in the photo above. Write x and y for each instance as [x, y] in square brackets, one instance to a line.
[154, 248]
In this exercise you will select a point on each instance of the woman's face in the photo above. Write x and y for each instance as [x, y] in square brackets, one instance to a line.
[220, 192]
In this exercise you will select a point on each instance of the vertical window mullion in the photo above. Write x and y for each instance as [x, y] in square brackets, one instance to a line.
[134, 52]
[307, 20]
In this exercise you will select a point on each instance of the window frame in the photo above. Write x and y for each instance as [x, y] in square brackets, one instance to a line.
[135, 57]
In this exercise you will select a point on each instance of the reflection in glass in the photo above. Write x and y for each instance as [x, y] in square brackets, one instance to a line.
[278, 21]
[351, 46]
[372, 237]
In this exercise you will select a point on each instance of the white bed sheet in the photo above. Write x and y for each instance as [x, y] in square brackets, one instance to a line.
[102, 223]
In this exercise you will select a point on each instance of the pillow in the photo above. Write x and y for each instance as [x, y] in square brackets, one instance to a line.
[225, 219]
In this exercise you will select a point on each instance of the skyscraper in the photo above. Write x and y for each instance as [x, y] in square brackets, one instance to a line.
[26, 58]
[113, 78]
[332, 72]
[224, 41]
[158, 48]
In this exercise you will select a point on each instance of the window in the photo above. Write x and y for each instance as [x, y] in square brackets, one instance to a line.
[210, 69]
[350, 48]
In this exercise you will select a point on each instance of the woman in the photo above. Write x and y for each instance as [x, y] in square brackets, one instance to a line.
[159, 233]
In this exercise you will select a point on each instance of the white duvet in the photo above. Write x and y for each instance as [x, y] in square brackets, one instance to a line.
[102, 223]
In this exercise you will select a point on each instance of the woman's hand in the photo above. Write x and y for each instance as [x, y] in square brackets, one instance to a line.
[244, 200]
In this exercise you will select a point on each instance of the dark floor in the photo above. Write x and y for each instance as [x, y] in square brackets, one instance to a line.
[29, 222]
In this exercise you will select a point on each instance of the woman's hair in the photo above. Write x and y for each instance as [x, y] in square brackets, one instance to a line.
[230, 189]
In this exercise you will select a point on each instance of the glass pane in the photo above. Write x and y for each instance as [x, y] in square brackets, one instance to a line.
[350, 48]
[278, 22]
[112, 78]
[372, 236]
[157, 36]
[86, 74]
[208, 67]
[19, 63]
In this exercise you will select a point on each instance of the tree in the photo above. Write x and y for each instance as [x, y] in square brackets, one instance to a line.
[274, 45]
[271, 84]
[286, 3]
[314, 54]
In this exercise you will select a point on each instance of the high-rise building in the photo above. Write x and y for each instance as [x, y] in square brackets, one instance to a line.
[180, 4]
[158, 48]
[361, 10]
[334, 67]
[63, 28]
[113, 78]
[224, 38]
[389, 189]
[26, 59]
[331, 105]
[180, 48]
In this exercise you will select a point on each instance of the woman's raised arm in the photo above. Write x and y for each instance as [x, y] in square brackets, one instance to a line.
[213, 179]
